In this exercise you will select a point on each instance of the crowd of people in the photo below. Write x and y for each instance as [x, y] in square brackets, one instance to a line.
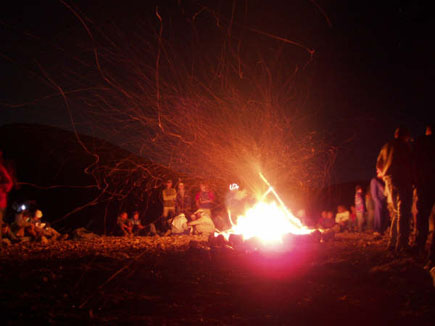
[368, 212]
[180, 215]
[400, 198]
[28, 226]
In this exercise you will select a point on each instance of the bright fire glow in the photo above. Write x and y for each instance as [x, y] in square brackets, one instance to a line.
[268, 221]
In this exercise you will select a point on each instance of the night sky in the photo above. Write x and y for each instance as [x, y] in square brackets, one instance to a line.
[373, 68]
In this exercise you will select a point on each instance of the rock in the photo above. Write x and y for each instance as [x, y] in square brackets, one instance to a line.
[83, 234]
[328, 235]
[236, 240]
[217, 241]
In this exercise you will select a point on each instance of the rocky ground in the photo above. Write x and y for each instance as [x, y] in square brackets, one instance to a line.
[182, 280]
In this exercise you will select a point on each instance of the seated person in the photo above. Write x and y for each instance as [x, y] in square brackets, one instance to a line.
[202, 222]
[125, 224]
[44, 229]
[7, 233]
[24, 227]
[179, 224]
[342, 217]
[136, 223]
[326, 220]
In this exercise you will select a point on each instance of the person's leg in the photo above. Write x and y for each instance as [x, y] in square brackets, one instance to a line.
[424, 207]
[392, 206]
[10, 234]
[167, 222]
[360, 220]
[431, 254]
[153, 230]
[20, 232]
[385, 217]
[164, 225]
[377, 215]
[404, 204]
[124, 230]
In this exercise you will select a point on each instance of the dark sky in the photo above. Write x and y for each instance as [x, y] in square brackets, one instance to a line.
[373, 68]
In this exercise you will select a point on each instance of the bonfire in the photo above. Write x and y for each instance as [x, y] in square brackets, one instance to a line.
[268, 220]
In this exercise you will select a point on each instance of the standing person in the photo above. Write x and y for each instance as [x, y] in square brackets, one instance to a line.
[6, 184]
[169, 195]
[370, 210]
[204, 199]
[353, 226]
[424, 163]
[183, 202]
[359, 207]
[380, 218]
[394, 164]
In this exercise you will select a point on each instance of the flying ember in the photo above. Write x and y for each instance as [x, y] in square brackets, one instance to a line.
[268, 220]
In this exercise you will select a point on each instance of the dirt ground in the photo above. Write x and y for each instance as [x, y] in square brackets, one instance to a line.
[181, 280]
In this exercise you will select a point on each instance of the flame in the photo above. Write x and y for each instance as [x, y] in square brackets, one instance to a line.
[268, 221]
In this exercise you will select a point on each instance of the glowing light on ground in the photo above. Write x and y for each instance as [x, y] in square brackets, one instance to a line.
[267, 220]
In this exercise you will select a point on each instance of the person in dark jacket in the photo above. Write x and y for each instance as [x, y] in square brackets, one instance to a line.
[183, 201]
[424, 164]
[394, 165]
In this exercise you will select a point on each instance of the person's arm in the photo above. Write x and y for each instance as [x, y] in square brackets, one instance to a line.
[381, 161]
[7, 183]
[195, 222]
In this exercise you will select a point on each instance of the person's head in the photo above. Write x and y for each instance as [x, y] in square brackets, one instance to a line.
[136, 215]
[341, 208]
[38, 215]
[169, 184]
[123, 215]
[329, 214]
[402, 133]
[203, 186]
[181, 187]
[358, 189]
[323, 214]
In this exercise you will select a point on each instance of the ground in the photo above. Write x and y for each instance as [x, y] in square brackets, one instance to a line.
[181, 280]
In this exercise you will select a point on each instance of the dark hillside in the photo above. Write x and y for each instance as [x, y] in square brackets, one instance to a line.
[52, 168]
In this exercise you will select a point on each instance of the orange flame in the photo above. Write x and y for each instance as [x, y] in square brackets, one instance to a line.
[267, 221]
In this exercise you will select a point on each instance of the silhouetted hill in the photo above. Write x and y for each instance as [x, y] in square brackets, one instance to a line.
[53, 168]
